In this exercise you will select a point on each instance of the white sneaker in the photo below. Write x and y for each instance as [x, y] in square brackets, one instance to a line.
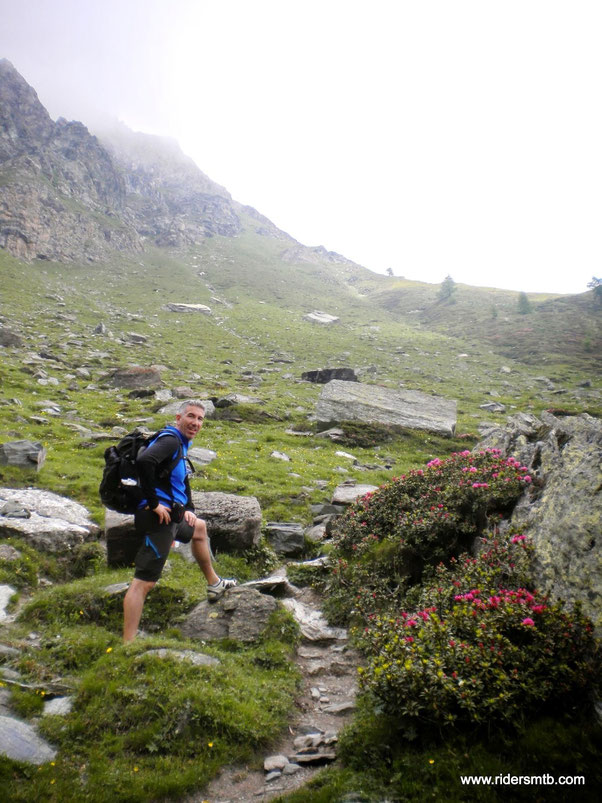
[217, 590]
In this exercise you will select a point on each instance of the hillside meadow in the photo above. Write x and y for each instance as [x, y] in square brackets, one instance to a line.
[255, 342]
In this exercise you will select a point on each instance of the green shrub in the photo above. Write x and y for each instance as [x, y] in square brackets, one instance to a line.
[388, 540]
[479, 651]
[302, 575]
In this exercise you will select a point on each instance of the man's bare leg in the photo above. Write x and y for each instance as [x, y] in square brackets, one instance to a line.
[202, 554]
[133, 604]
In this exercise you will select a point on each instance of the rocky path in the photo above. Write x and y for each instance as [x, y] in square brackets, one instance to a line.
[325, 703]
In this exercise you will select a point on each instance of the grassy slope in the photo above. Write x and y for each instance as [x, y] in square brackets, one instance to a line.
[55, 308]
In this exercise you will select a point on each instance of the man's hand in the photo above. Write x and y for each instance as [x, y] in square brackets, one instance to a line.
[189, 517]
[163, 514]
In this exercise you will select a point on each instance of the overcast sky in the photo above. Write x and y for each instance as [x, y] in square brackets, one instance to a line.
[432, 137]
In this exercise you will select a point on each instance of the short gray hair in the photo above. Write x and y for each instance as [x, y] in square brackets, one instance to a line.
[190, 403]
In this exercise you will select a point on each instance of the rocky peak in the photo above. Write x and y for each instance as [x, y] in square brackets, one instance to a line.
[24, 122]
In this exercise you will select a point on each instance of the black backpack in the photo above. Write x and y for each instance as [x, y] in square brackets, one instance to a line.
[120, 485]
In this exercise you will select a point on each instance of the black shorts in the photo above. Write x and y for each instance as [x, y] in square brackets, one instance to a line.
[156, 543]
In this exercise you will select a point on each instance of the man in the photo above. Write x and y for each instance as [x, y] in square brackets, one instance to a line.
[167, 514]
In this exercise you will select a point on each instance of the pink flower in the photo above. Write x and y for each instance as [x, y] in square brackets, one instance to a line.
[528, 621]
[527, 478]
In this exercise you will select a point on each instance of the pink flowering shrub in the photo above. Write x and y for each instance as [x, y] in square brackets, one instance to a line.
[479, 647]
[387, 541]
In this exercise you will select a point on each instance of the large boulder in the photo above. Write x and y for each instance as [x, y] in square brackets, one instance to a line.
[286, 537]
[122, 540]
[233, 522]
[373, 404]
[136, 377]
[563, 512]
[47, 521]
[241, 614]
[23, 453]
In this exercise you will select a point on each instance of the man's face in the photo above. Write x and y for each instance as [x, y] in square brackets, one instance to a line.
[190, 421]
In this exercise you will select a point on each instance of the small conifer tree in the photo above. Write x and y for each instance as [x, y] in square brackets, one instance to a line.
[447, 289]
[596, 286]
[524, 305]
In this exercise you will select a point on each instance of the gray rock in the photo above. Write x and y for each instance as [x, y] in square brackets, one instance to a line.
[8, 553]
[9, 338]
[493, 407]
[13, 510]
[6, 592]
[24, 454]
[20, 742]
[280, 456]
[319, 756]
[324, 375]
[196, 658]
[233, 522]
[201, 457]
[271, 776]
[118, 525]
[58, 706]
[135, 337]
[349, 492]
[316, 533]
[5, 700]
[56, 524]
[242, 614]
[340, 708]
[277, 762]
[237, 398]
[177, 307]
[285, 538]
[312, 623]
[334, 433]
[277, 585]
[354, 401]
[321, 317]
[135, 377]
[563, 516]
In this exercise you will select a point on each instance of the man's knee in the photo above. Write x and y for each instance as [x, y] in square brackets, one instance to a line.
[140, 587]
[200, 530]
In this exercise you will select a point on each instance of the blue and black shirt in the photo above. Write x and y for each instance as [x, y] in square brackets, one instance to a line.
[175, 487]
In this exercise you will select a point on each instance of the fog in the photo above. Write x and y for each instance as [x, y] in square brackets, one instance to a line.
[431, 138]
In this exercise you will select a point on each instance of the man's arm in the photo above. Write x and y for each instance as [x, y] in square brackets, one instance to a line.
[148, 464]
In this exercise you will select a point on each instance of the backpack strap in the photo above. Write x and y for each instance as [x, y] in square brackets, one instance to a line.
[165, 472]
